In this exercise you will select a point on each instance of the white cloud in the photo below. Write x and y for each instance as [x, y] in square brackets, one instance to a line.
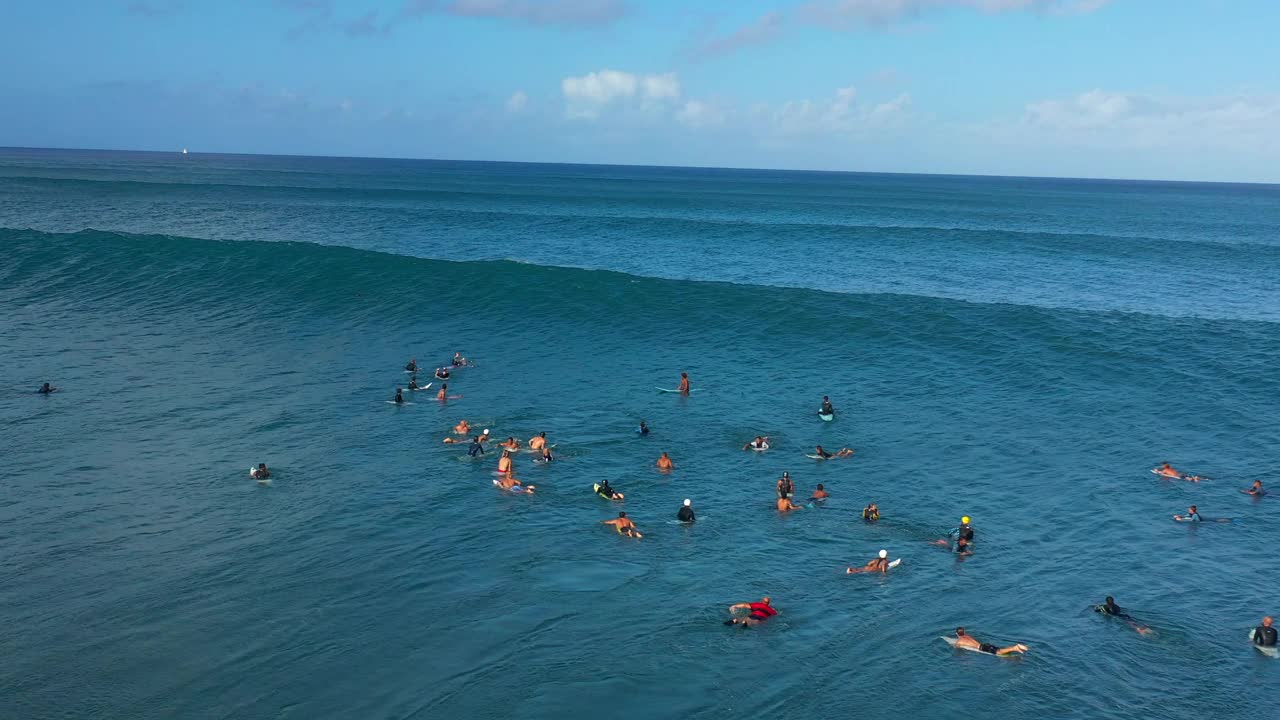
[884, 12]
[838, 115]
[588, 94]
[698, 113]
[763, 30]
[517, 101]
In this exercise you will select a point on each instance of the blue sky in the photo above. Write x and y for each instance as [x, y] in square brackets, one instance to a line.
[1176, 89]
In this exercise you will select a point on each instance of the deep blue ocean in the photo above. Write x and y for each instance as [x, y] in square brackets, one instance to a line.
[1021, 351]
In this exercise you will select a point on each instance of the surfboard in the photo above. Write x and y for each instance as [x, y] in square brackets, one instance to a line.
[1268, 651]
[762, 448]
[669, 390]
[393, 402]
[513, 488]
[952, 642]
[895, 563]
[420, 389]
[826, 418]
[819, 457]
[595, 487]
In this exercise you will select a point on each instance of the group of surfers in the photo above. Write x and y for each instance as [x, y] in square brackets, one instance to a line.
[1165, 470]
[441, 373]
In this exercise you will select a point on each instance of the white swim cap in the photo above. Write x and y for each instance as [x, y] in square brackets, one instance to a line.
[486, 431]
[884, 553]
[688, 502]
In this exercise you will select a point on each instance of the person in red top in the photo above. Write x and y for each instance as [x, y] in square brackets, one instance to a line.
[759, 612]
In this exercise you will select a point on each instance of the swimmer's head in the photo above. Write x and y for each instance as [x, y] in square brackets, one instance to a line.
[622, 513]
[964, 520]
[1111, 600]
[960, 632]
[1193, 508]
[486, 431]
[820, 486]
[1266, 621]
[687, 502]
[765, 600]
[884, 554]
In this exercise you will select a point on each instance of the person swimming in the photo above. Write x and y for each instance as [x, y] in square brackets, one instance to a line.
[822, 453]
[604, 490]
[827, 409]
[968, 641]
[462, 428]
[685, 513]
[546, 454]
[871, 513]
[786, 488]
[643, 429]
[443, 393]
[963, 547]
[477, 447]
[412, 366]
[964, 531]
[1109, 607]
[46, 389]
[757, 613]
[442, 374]
[413, 383]
[508, 482]
[623, 525]
[1193, 515]
[458, 360]
[785, 505]
[261, 472]
[509, 444]
[879, 564]
[1255, 490]
[504, 462]
[1264, 635]
[539, 442]
[684, 383]
[399, 397]
[819, 494]
[664, 463]
[760, 443]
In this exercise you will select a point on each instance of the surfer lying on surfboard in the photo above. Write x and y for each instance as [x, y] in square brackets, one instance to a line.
[759, 612]
[260, 473]
[508, 482]
[760, 443]
[623, 525]
[1166, 470]
[820, 454]
[1194, 516]
[968, 642]
[880, 565]
[1111, 608]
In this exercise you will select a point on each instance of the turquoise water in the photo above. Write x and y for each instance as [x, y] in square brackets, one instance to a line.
[1020, 351]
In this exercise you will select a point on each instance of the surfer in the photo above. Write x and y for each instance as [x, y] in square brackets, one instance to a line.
[413, 383]
[509, 444]
[46, 388]
[412, 366]
[967, 641]
[477, 447]
[760, 443]
[1109, 607]
[963, 532]
[664, 463]
[623, 525]
[1192, 515]
[462, 428]
[785, 486]
[684, 383]
[819, 494]
[458, 360]
[1255, 490]
[508, 482]
[261, 472]
[399, 397]
[1264, 635]
[546, 455]
[605, 491]
[880, 565]
[504, 462]
[785, 504]
[442, 374]
[826, 407]
[685, 513]
[444, 392]
[1167, 470]
[962, 545]
[758, 612]
[539, 442]
[643, 429]
[871, 513]
[842, 453]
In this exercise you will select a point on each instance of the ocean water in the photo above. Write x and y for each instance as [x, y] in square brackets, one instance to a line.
[1021, 351]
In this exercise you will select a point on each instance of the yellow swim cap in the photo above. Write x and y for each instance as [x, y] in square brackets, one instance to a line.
[965, 519]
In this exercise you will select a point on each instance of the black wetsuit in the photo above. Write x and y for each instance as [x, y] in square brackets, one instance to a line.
[399, 398]
[966, 532]
[685, 514]
[605, 491]
[786, 488]
[870, 515]
[477, 448]
[827, 409]
[442, 375]
[644, 429]
[1264, 636]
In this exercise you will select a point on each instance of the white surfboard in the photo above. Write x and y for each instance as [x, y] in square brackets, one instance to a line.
[420, 389]
[826, 418]
[895, 563]
[393, 402]
[952, 642]
[669, 390]
[1268, 651]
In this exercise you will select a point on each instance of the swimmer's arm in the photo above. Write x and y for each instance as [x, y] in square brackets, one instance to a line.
[740, 606]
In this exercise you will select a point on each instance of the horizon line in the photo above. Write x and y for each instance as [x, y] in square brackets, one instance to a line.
[185, 151]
